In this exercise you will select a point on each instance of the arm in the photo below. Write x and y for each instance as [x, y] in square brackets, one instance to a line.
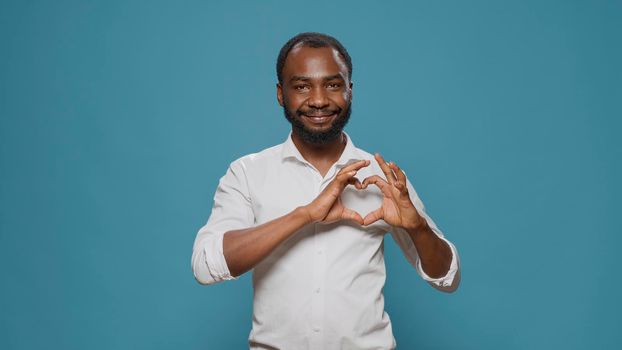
[434, 257]
[243, 249]
[232, 210]
[435, 254]
[228, 245]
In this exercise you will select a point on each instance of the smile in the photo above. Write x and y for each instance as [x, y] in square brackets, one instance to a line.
[319, 119]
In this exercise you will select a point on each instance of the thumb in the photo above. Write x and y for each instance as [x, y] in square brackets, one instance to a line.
[349, 214]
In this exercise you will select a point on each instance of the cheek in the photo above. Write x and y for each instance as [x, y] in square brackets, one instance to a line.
[342, 99]
[292, 103]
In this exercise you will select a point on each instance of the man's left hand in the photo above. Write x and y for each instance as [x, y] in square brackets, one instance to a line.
[397, 209]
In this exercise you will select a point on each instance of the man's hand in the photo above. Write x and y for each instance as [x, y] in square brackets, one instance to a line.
[327, 206]
[397, 209]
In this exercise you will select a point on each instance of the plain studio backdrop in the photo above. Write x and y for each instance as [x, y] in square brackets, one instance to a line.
[118, 118]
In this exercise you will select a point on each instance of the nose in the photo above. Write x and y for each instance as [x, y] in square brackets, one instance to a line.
[318, 98]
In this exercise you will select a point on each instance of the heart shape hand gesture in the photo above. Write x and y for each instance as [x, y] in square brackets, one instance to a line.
[396, 209]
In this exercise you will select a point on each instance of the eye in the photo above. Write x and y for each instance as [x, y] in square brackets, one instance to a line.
[334, 85]
[300, 87]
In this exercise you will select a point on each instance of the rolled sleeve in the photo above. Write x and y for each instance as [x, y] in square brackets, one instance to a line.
[406, 244]
[232, 210]
[449, 277]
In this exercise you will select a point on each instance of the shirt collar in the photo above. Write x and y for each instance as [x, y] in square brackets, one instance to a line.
[289, 150]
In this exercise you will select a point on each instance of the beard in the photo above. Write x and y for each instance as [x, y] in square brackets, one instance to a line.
[318, 138]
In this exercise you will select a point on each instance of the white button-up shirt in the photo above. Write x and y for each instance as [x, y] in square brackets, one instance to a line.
[322, 287]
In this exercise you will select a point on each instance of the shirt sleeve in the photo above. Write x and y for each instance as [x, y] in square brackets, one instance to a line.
[232, 210]
[402, 238]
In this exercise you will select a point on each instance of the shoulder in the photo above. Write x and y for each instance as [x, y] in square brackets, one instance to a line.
[261, 159]
[363, 154]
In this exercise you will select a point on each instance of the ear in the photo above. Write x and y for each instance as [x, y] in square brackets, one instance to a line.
[350, 90]
[279, 93]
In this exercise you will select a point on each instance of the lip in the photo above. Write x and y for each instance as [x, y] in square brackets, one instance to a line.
[321, 119]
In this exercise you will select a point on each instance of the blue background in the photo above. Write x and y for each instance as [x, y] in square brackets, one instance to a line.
[119, 117]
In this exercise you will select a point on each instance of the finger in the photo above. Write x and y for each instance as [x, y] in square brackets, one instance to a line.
[355, 166]
[349, 214]
[342, 179]
[400, 186]
[391, 164]
[354, 181]
[378, 181]
[400, 173]
[347, 172]
[401, 179]
[385, 168]
[373, 217]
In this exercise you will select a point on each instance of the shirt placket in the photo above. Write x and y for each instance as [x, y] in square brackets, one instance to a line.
[319, 269]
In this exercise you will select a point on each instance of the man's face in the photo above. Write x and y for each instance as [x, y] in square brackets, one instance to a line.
[316, 93]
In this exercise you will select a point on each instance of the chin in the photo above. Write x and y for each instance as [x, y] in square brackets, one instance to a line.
[318, 134]
[319, 128]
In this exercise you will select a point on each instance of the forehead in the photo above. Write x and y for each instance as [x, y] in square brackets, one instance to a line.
[314, 62]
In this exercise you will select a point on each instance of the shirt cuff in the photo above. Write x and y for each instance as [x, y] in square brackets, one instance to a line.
[449, 277]
[215, 259]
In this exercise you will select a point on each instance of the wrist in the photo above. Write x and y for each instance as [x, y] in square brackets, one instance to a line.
[417, 226]
[304, 213]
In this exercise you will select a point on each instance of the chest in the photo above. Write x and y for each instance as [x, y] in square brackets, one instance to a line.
[277, 190]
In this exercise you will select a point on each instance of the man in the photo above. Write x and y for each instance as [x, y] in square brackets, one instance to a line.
[299, 216]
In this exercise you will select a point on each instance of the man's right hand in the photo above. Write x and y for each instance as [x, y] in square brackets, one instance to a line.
[327, 206]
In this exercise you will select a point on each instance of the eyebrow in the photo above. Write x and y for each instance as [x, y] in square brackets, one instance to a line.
[333, 77]
[303, 78]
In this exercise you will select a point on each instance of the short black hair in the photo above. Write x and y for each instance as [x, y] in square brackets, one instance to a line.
[315, 40]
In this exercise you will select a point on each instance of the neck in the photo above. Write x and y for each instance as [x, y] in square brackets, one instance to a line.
[319, 155]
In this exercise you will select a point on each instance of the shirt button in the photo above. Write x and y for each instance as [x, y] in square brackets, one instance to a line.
[319, 252]
[316, 329]
[317, 290]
